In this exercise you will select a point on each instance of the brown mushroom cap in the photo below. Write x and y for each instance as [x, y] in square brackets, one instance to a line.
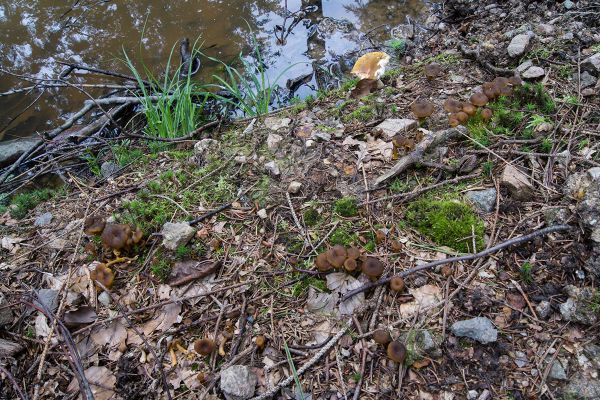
[353, 253]
[204, 346]
[115, 236]
[503, 86]
[490, 90]
[372, 267]
[422, 108]
[446, 271]
[486, 114]
[453, 120]
[515, 81]
[104, 275]
[396, 351]
[322, 264]
[397, 284]
[453, 105]
[381, 336]
[462, 117]
[136, 236]
[433, 70]
[94, 225]
[379, 236]
[470, 109]
[350, 265]
[479, 99]
[337, 255]
[371, 65]
[500, 80]
[260, 341]
[395, 245]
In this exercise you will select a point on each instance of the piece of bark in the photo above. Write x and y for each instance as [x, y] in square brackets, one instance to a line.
[190, 270]
[8, 348]
[429, 141]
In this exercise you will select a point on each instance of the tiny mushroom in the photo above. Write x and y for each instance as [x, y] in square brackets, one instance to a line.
[322, 264]
[260, 342]
[337, 255]
[382, 336]
[433, 70]
[453, 120]
[462, 117]
[453, 105]
[371, 65]
[350, 265]
[479, 99]
[396, 351]
[94, 225]
[104, 275]
[204, 346]
[353, 253]
[446, 271]
[470, 109]
[490, 90]
[372, 267]
[115, 236]
[136, 236]
[397, 284]
[486, 114]
[515, 81]
[422, 108]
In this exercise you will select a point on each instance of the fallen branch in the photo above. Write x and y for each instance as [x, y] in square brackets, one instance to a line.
[189, 136]
[498, 247]
[475, 55]
[73, 67]
[431, 139]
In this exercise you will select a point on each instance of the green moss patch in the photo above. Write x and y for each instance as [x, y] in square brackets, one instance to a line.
[447, 223]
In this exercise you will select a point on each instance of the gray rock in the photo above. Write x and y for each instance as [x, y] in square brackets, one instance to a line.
[485, 200]
[480, 329]
[533, 73]
[545, 29]
[524, 65]
[518, 183]
[6, 315]
[422, 343]
[9, 349]
[568, 4]
[585, 79]
[238, 382]
[275, 123]
[519, 44]
[543, 309]
[521, 359]
[557, 371]
[11, 150]
[472, 395]
[294, 187]
[582, 388]
[592, 352]
[43, 220]
[108, 169]
[273, 141]
[567, 36]
[176, 234]
[592, 64]
[273, 168]
[321, 136]
[577, 307]
[393, 126]
[594, 173]
[205, 145]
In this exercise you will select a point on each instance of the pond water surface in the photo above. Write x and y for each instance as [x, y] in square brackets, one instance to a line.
[36, 34]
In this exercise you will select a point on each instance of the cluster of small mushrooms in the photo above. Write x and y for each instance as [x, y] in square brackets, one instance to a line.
[351, 260]
[115, 237]
[396, 351]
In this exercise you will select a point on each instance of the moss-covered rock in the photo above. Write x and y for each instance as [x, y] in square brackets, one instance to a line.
[448, 223]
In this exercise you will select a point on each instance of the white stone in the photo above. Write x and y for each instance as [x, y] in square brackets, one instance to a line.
[533, 73]
[518, 183]
[238, 382]
[204, 145]
[176, 234]
[294, 187]
[273, 141]
[275, 123]
[241, 159]
[262, 213]
[524, 65]
[393, 126]
[519, 44]
[273, 168]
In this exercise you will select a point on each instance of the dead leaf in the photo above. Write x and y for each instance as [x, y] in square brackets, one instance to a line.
[162, 320]
[81, 316]
[41, 326]
[11, 244]
[113, 335]
[515, 300]
[318, 302]
[425, 296]
[340, 284]
[363, 88]
[101, 380]
[421, 363]
[189, 270]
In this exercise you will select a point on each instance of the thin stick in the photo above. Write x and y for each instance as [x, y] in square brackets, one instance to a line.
[498, 247]
[12, 380]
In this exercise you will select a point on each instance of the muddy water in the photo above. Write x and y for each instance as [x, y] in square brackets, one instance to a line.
[36, 34]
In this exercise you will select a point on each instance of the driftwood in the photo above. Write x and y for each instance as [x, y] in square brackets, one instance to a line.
[431, 140]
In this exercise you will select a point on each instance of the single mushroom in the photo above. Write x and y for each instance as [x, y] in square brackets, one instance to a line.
[395, 245]
[503, 86]
[470, 109]
[136, 236]
[453, 105]
[322, 264]
[115, 236]
[462, 117]
[422, 109]
[397, 284]
[515, 81]
[353, 253]
[204, 346]
[350, 264]
[486, 114]
[337, 255]
[446, 271]
[260, 342]
[432, 71]
[396, 351]
[382, 336]
[94, 225]
[379, 236]
[372, 267]
[490, 90]
[479, 99]
[371, 65]
[453, 120]
[104, 275]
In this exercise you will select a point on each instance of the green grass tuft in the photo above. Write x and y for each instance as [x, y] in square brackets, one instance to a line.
[346, 207]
